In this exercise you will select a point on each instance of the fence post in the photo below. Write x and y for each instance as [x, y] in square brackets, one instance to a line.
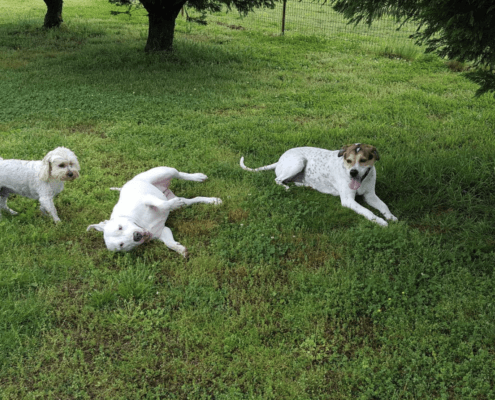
[284, 6]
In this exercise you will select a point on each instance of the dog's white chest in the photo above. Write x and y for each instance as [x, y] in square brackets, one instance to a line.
[131, 204]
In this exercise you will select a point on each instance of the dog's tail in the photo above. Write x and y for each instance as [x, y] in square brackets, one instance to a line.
[265, 168]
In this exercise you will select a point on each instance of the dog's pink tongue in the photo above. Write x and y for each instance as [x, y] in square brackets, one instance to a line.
[354, 184]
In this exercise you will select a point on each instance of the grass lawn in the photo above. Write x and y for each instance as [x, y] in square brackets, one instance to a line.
[285, 295]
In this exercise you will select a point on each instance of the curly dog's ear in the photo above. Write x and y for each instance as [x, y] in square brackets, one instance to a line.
[46, 167]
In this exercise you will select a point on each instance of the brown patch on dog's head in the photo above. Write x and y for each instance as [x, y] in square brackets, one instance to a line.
[365, 154]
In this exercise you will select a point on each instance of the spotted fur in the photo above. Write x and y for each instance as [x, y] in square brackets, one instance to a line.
[345, 173]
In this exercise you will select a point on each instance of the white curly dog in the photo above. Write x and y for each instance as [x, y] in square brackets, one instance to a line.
[38, 180]
[345, 173]
[143, 207]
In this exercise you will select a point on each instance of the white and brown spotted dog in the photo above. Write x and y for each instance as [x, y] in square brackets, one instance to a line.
[345, 173]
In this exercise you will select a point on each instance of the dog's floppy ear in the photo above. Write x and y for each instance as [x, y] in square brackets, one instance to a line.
[375, 152]
[45, 170]
[99, 227]
[342, 151]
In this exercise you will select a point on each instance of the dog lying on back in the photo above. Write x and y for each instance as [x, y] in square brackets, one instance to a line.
[38, 180]
[142, 210]
[345, 173]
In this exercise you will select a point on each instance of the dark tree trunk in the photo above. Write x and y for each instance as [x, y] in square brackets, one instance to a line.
[161, 24]
[53, 17]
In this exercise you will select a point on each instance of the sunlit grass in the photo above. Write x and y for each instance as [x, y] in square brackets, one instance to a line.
[286, 294]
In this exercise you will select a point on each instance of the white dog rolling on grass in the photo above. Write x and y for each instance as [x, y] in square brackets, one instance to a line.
[345, 173]
[38, 180]
[142, 210]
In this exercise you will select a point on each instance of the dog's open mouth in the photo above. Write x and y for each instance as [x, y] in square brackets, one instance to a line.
[355, 184]
[356, 181]
[147, 236]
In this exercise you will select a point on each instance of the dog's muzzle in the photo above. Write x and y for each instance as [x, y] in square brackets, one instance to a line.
[138, 236]
[70, 176]
[356, 181]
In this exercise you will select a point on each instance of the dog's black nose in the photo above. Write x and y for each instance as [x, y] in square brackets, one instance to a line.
[70, 174]
[137, 236]
[354, 172]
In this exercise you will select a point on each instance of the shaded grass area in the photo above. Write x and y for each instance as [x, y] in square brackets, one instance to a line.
[285, 294]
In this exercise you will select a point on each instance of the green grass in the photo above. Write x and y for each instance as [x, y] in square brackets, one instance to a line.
[285, 295]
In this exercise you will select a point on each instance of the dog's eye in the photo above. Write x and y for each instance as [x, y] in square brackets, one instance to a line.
[363, 160]
[349, 161]
[61, 166]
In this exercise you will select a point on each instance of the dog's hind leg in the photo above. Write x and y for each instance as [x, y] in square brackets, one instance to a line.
[161, 177]
[3, 203]
[290, 168]
[206, 200]
[168, 238]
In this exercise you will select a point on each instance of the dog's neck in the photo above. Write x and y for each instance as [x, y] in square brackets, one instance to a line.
[366, 174]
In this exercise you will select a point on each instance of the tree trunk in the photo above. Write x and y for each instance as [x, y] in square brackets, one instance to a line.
[161, 24]
[53, 17]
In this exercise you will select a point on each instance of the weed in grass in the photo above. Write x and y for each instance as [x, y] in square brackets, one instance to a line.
[407, 51]
[106, 298]
[457, 66]
[135, 281]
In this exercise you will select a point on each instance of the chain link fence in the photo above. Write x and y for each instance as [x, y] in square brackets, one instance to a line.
[306, 17]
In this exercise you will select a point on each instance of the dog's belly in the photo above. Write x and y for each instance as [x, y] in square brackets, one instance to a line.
[322, 177]
[20, 190]
[21, 177]
[322, 184]
[5, 191]
[131, 204]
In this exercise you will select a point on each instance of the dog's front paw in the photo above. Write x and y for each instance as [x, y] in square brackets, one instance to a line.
[182, 251]
[391, 218]
[217, 201]
[380, 221]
